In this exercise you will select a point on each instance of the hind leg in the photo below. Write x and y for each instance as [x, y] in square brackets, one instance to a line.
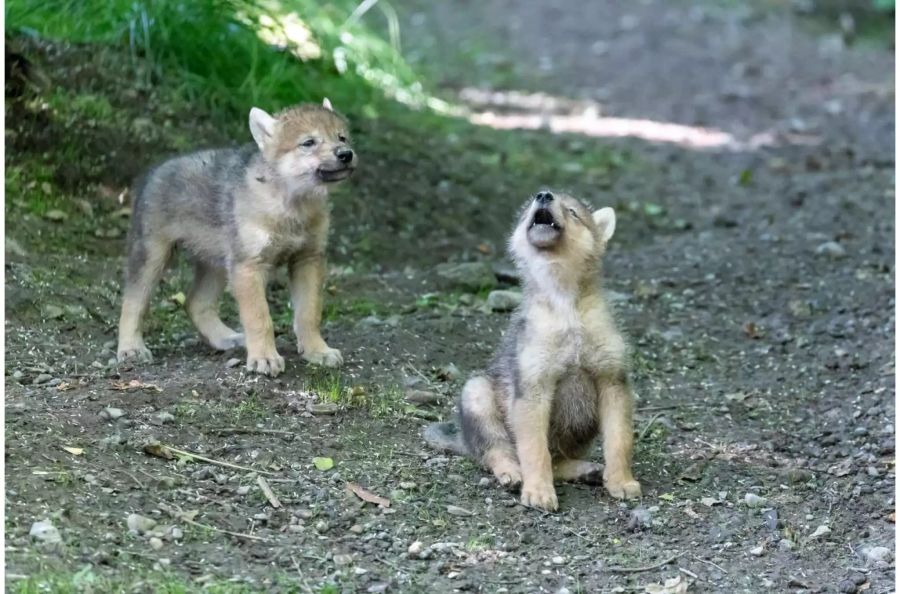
[485, 433]
[147, 259]
[203, 307]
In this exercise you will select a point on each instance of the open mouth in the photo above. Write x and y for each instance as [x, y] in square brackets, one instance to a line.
[543, 216]
[334, 175]
[544, 231]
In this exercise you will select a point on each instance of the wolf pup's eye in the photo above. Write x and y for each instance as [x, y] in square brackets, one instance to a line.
[309, 142]
[342, 138]
[574, 214]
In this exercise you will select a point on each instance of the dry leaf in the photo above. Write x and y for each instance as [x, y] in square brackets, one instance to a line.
[158, 450]
[178, 298]
[64, 387]
[709, 501]
[368, 496]
[752, 330]
[73, 451]
[323, 463]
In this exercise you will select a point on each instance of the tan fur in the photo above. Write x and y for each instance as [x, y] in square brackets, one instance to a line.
[561, 373]
[240, 213]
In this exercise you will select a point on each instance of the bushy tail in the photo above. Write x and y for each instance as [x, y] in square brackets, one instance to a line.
[445, 437]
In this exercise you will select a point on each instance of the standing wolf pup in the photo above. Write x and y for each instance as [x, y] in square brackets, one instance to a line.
[238, 213]
[560, 375]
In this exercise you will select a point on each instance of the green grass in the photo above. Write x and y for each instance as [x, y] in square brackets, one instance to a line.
[229, 54]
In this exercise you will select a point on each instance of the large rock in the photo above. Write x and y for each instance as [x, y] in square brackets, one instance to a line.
[470, 276]
[504, 300]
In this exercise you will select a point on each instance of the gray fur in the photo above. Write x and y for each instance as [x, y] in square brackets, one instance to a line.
[444, 437]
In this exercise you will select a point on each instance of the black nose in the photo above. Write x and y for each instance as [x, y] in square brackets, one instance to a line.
[543, 197]
[344, 155]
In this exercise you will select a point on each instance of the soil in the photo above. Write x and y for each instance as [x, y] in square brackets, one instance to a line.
[755, 279]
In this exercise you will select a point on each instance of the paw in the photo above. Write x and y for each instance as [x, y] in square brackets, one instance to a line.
[541, 496]
[227, 342]
[509, 478]
[269, 364]
[136, 352]
[326, 357]
[624, 488]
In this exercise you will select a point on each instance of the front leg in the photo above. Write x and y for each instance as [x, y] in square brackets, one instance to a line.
[529, 417]
[248, 281]
[616, 403]
[307, 275]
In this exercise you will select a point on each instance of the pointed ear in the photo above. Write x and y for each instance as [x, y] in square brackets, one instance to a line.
[326, 103]
[262, 127]
[605, 219]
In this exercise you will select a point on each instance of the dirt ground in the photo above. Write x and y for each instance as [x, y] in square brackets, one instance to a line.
[753, 270]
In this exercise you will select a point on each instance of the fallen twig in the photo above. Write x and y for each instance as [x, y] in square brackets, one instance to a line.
[249, 431]
[645, 567]
[267, 491]
[164, 447]
[688, 572]
[669, 407]
[648, 426]
[719, 567]
[179, 515]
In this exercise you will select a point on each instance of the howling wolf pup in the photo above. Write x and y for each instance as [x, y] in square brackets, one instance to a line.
[238, 213]
[560, 375]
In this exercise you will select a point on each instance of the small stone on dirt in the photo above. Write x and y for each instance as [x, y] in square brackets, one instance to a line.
[156, 543]
[42, 379]
[877, 555]
[112, 413]
[503, 300]
[832, 249]
[754, 500]
[163, 418]
[322, 408]
[758, 551]
[415, 549]
[233, 362]
[45, 532]
[786, 544]
[243, 489]
[55, 215]
[455, 510]
[342, 560]
[17, 375]
[449, 372]
[408, 486]
[472, 276]
[639, 519]
[140, 524]
[820, 532]
[558, 560]
[423, 397]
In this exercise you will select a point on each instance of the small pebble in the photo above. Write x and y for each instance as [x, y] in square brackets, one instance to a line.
[820, 532]
[558, 560]
[357, 529]
[408, 486]
[877, 554]
[832, 249]
[156, 543]
[415, 549]
[754, 500]
[455, 510]
[639, 519]
[140, 524]
[163, 418]
[757, 551]
[342, 559]
[46, 532]
[321, 526]
[54, 382]
[112, 413]
[17, 375]
[42, 379]
[243, 489]
[233, 362]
